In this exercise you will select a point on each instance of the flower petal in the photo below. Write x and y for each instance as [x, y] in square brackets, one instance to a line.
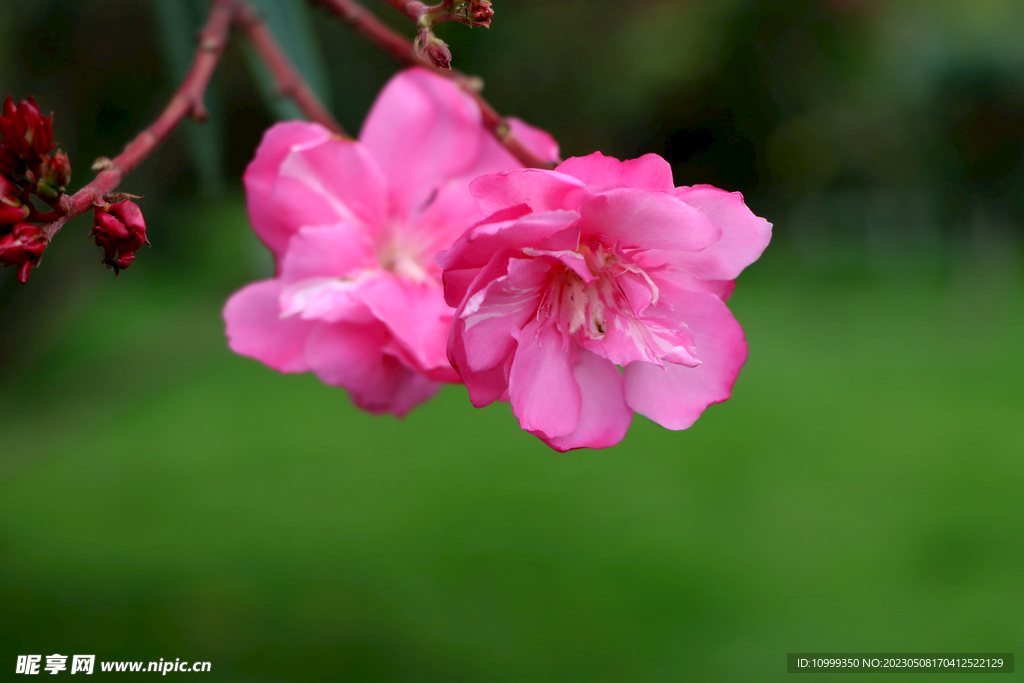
[256, 329]
[491, 315]
[538, 141]
[744, 235]
[484, 386]
[649, 172]
[643, 219]
[327, 299]
[422, 130]
[552, 230]
[273, 227]
[327, 251]
[541, 387]
[351, 356]
[674, 396]
[604, 415]
[539, 189]
[417, 317]
[330, 181]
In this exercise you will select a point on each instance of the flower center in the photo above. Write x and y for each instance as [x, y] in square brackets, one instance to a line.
[587, 300]
[603, 299]
[403, 260]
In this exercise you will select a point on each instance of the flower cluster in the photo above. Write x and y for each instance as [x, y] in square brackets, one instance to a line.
[23, 246]
[424, 253]
[354, 227]
[26, 168]
[25, 150]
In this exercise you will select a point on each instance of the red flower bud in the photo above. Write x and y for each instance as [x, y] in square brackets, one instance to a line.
[22, 247]
[480, 13]
[435, 49]
[25, 131]
[55, 175]
[12, 210]
[11, 164]
[119, 231]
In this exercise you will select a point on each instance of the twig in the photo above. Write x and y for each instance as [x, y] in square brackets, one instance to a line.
[401, 49]
[289, 81]
[188, 102]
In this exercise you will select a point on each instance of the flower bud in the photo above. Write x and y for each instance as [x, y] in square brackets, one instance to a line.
[119, 231]
[55, 176]
[480, 13]
[22, 247]
[11, 164]
[12, 209]
[25, 131]
[435, 49]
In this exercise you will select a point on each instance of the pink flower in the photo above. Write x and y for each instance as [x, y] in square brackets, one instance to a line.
[354, 227]
[598, 264]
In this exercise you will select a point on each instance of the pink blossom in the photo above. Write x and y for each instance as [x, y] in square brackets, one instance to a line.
[597, 265]
[354, 227]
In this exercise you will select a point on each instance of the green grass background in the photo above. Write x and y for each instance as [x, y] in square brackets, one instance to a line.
[861, 491]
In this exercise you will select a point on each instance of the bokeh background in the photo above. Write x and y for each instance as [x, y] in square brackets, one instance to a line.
[861, 491]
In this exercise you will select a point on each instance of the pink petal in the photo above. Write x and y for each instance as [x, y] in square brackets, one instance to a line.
[490, 317]
[331, 181]
[453, 208]
[451, 212]
[422, 131]
[256, 329]
[351, 356]
[539, 189]
[489, 384]
[261, 175]
[648, 172]
[538, 141]
[485, 386]
[541, 386]
[416, 315]
[744, 235]
[411, 389]
[646, 220]
[327, 251]
[675, 396]
[604, 415]
[327, 299]
[476, 247]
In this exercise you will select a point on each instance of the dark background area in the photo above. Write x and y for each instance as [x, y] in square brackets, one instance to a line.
[160, 497]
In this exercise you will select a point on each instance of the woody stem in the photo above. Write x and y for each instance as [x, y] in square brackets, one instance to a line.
[401, 49]
[188, 102]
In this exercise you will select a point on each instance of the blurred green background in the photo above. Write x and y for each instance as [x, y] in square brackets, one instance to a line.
[160, 497]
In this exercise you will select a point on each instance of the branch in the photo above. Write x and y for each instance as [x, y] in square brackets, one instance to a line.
[289, 81]
[401, 49]
[188, 102]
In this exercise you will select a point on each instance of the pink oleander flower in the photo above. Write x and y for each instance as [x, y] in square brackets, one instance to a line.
[354, 227]
[595, 266]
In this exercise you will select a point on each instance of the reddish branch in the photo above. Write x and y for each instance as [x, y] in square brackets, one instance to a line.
[289, 81]
[188, 102]
[401, 49]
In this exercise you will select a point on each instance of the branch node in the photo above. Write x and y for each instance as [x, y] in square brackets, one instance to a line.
[103, 164]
